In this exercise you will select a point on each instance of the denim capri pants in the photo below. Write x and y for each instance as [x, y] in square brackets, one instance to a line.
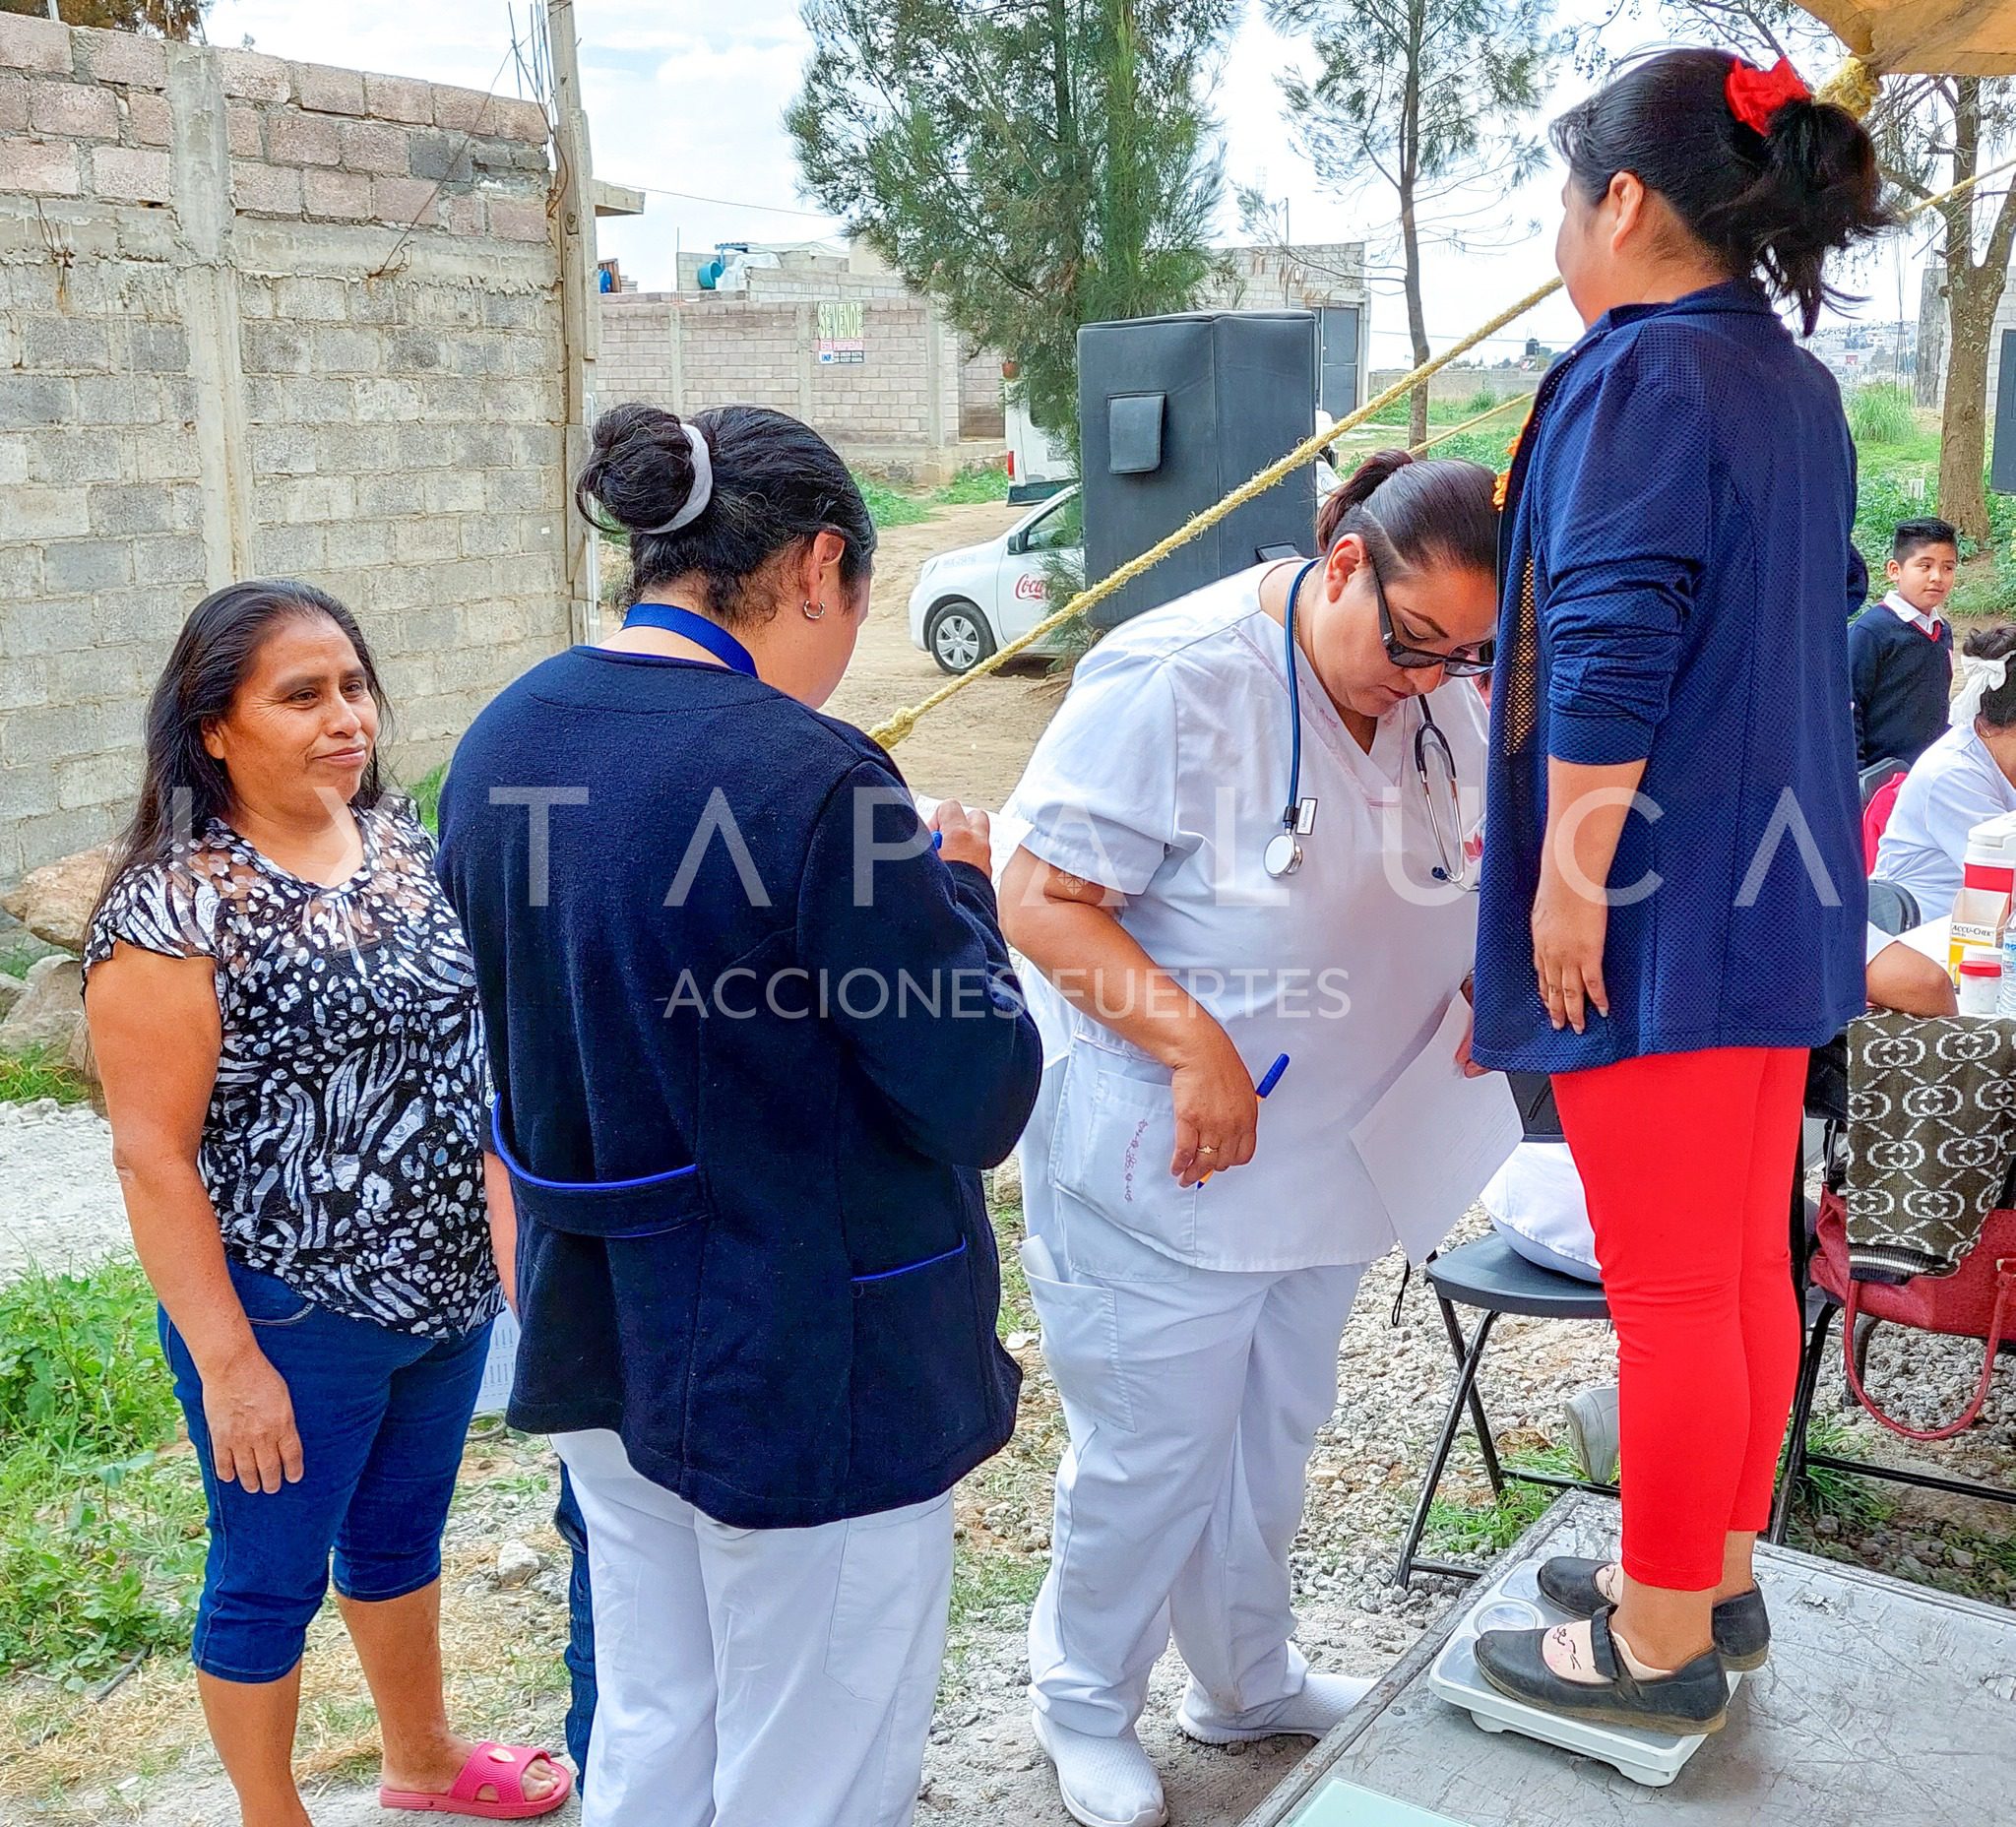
[382, 1416]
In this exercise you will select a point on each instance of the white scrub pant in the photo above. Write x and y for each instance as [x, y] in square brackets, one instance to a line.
[1193, 1397]
[749, 1677]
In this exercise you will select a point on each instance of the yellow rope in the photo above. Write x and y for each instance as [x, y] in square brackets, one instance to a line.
[1854, 87]
[892, 730]
[896, 728]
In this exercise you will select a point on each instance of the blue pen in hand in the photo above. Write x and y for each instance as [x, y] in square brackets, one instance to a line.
[1268, 1081]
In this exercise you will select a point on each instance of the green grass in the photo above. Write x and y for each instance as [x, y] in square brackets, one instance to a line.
[102, 1540]
[981, 483]
[889, 506]
[1451, 410]
[25, 1077]
[426, 796]
[1881, 413]
[1483, 1530]
[1860, 1503]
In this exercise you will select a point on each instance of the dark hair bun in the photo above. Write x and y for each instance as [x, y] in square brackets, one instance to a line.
[1355, 492]
[1998, 703]
[640, 470]
[1818, 192]
[1439, 511]
[1997, 643]
[1357, 488]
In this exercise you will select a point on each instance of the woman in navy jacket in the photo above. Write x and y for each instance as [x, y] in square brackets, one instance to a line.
[1673, 893]
[754, 1036]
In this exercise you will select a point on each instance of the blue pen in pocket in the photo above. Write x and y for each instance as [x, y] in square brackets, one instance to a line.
[1268, 1081]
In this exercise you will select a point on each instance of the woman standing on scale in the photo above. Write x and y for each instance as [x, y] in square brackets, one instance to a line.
[1673, 893]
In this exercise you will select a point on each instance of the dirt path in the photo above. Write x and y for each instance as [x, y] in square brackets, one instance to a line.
[973, 748]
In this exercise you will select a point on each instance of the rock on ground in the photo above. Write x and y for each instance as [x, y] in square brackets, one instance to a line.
[50, 1010]
[59, 1199]
[54, 901]
[12, 989]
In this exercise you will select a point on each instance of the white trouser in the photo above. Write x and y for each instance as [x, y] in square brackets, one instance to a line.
[1193, 1398]
[748, 1677]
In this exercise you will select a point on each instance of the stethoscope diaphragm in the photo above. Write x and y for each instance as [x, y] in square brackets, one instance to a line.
[1282, 855]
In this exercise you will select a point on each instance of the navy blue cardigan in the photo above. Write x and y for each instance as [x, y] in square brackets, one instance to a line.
[1680, 507]
[779, 1064]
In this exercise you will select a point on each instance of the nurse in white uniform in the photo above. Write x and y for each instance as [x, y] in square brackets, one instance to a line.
[1227, 861]
[1967, 775]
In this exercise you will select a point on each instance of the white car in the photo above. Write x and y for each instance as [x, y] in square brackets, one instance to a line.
[970, 602]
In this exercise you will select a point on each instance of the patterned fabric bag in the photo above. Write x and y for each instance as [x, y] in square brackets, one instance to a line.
[1932, 1129]
[1923, 1237]
[1978, 1300]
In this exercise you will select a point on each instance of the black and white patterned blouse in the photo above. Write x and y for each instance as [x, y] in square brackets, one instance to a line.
[342, 1148]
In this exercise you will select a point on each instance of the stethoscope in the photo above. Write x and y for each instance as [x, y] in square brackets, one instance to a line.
[1432, 757]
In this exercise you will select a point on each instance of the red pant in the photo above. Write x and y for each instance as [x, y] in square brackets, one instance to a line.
[1687, 1160]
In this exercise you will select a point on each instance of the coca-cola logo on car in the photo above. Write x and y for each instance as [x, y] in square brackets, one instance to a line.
[1031, 588]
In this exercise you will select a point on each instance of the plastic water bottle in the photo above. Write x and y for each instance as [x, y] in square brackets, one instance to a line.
[2006, 997]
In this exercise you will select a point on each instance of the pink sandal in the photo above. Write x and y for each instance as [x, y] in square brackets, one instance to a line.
[498, 1767]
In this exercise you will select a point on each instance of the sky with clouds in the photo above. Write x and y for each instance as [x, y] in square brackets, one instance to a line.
[686, 98]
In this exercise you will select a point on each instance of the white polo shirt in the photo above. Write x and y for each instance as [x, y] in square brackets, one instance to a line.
[1951, 787]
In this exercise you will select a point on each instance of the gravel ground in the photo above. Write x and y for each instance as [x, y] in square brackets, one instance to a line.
[59, 1198]
[981, 1769]
[63, 1209]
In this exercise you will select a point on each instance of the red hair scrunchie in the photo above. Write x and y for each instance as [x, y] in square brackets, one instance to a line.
[1755, 96]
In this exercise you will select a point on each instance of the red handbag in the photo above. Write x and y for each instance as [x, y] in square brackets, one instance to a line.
[1976, 1301]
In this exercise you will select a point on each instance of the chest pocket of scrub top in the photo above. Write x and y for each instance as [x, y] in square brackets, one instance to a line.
[1116, 1132]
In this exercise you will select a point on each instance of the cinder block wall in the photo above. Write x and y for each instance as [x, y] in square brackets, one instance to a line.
[260, 318]
[898, 409]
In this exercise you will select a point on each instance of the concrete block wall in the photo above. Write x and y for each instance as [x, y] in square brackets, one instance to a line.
[982, 414]
[899, 408]
[261, 318]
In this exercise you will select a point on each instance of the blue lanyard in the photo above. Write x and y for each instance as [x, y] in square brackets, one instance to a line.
[694, 627]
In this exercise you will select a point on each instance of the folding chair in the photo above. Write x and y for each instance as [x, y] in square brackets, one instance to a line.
[1495, 1279]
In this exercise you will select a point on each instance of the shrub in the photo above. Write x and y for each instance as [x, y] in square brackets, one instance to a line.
[889, 507]
[1881, 413]
[980, 482]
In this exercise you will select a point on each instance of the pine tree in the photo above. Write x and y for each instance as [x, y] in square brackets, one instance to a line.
[1031, 164]
[1429, 96]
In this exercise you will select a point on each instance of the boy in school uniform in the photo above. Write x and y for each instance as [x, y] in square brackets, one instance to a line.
[1900, 651]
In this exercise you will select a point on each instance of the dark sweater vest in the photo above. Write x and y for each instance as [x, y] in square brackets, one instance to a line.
[1903, 684]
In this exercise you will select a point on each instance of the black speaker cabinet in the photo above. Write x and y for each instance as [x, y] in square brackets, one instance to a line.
[2002, 467]
[1173, 413]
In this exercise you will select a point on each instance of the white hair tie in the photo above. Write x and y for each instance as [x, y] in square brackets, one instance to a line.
[698, 496]
[1982, 677]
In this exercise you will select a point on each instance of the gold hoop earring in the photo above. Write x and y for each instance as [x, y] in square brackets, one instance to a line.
[811, 614]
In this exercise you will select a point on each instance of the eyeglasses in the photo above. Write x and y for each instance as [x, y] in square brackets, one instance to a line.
[1462, 665]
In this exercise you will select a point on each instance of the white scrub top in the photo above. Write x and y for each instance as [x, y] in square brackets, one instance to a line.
[1164, 775]
[1950, 788]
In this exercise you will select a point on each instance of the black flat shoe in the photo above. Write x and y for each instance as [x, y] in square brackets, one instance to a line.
[1692, 1699]
[1741, 1626]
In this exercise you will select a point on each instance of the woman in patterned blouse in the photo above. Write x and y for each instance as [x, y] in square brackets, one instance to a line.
[284, 1014]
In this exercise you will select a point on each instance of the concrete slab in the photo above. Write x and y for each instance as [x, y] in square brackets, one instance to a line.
[1882, 1702]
